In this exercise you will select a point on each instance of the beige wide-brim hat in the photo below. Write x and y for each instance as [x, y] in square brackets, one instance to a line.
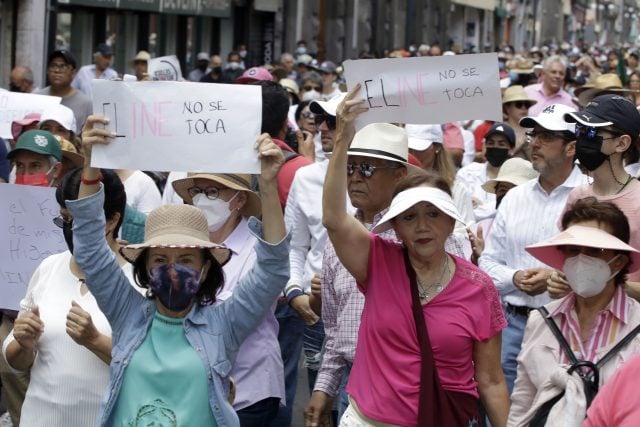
[515, 171]
[408, 198]
[601, 85]
[381, 141]
[240, 182]
[549, 251]
[176, 226]
[70, 153]
[516, 93]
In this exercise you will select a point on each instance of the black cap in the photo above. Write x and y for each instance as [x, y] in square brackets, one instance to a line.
[609, 110]
[504, 129]
[64, 54]
[105, 50]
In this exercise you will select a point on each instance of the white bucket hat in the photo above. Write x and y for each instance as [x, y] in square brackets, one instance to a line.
[407, 198]
[422, 136]
[381, 141]
[60, 114]
[515, 171]
[176, 226]
[551, 118]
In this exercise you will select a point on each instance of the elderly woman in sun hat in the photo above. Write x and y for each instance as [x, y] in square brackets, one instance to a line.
[173, 350]
[422, 307]
[594, 254]
[228, 202]
[515, 106]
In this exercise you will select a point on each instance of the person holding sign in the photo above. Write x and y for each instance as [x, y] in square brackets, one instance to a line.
[173, 350]
[414, 286]
[61, 335]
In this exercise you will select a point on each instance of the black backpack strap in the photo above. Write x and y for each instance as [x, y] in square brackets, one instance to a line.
[616, 348]
[556, 332]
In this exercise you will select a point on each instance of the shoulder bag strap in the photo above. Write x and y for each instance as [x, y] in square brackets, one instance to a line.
[556, 332]
[623, 342]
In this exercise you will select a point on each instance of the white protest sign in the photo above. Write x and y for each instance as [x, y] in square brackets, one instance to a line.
[164, 68]
[425, 90]
[14, 106]
[29, 237]
[179, 126]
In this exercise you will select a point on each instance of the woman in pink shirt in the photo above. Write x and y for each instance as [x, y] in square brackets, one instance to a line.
[429, 339]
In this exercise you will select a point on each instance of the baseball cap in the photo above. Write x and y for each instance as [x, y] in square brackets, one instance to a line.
[18, 125]
[105, 50]
[329, 107]
[61, 114]
[503, 129]
[422, 136]
[64, 54]
[254, 74]
[203, 56]
[39, 142]
[327, 67]
[551, 118]
[609, 110]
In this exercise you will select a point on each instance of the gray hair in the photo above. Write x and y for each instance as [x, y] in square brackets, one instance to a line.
[27, 74]
[311, 76]
[554, 59]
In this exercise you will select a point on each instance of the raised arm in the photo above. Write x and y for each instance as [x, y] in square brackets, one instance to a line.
[349, 237]
[272, 159]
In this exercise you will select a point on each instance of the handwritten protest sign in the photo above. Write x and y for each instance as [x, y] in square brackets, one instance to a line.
[14, 106]
[425, 90]
[179, 126]
[27, 236]
[164, 68]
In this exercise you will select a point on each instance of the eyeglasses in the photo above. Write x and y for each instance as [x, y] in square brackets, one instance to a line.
[571, 251]
[212, 193]
[321, 118]
[365, 169]
[591, 133]
[307, 114]
[520, 104]
[548, 136]
[58, 67]
[60, 221]
[309, 88]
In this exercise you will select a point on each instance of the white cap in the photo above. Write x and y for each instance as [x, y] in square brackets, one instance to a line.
[329, 107]
[62, 115]
[408, 198]
[422, 136]
[551, 118]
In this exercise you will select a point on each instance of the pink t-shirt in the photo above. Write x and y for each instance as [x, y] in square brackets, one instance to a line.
[617, 404]
[628, 202]
[385, 378]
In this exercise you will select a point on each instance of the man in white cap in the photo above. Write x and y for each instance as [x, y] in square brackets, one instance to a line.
[376, 162]
[528, 214]
[200, 68]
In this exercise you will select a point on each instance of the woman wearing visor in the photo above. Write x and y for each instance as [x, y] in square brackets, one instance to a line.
[594, 255]
[429, 339]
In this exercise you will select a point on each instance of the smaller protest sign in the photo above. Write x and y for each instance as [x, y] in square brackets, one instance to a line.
[164, 68]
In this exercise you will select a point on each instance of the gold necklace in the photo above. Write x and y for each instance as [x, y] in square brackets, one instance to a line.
[425, 291]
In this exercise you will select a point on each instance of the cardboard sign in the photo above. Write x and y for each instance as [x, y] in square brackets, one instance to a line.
[427, 90]
[27, 237]
[179, 126]
[164, 68]
[14, 106]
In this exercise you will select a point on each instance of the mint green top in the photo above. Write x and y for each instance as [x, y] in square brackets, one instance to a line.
[165, 383]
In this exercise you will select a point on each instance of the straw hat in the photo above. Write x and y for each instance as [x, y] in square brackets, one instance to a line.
[70, 153]
[381, 141]
[516, 93]
[515, 171]
[602, 84]
[549, 251]
[521, 66]
[239, 182]
[176, 226]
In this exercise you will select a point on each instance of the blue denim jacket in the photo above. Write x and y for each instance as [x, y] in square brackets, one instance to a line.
[214, 332]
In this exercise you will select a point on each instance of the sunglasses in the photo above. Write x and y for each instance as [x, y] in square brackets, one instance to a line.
[571, 251]
[520, 104]
[306, 114]
[365, 169]
[309, 88]
[590, 133]
[318, 119]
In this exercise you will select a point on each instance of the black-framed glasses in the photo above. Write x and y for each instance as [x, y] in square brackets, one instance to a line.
[61, 221]
[212, 193]
[365, 169]
[322, 118]
[308, 88]
[591, 133]
[548, 136]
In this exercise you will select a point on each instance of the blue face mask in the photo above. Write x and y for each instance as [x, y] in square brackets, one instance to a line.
[175, 285]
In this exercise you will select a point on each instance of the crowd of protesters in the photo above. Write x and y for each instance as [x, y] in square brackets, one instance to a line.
[465, 273]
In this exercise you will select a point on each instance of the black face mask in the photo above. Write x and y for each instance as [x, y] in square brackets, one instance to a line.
[15, 88]
[588, 152]
[67, 232]
[217, 70]
[496, 156]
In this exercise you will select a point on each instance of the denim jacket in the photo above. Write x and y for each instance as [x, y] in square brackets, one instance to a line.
[215, 332]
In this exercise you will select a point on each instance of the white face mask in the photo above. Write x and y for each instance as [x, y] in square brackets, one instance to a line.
[587, 275]
[217, 211]
[234, 65]
[312, 95]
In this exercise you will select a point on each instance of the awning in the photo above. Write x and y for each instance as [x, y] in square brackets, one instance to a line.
[478, 4]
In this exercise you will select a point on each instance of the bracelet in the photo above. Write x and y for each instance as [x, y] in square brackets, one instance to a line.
[91, 181]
